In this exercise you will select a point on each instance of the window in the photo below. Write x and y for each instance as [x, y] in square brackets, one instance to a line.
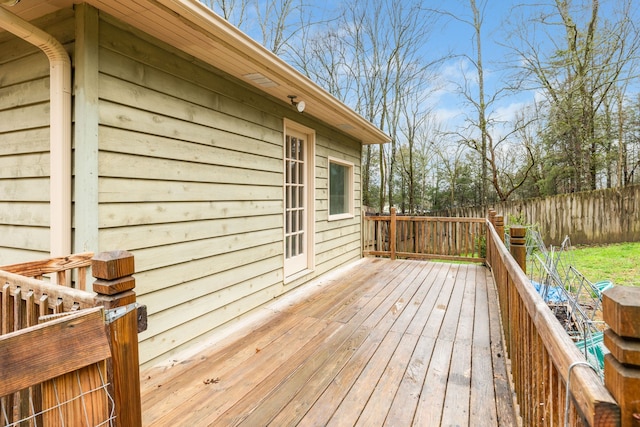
[340, 189]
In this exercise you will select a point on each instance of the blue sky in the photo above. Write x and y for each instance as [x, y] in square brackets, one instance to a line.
[459, 37]
[500, 17]
[453, 36]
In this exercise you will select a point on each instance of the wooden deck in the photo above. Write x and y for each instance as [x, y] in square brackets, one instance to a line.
[383, 342]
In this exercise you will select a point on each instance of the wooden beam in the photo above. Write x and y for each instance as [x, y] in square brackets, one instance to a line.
[621, 311]
[86, 129]
[50, 265]
[392, 234]
[114, 286]
[64, 345]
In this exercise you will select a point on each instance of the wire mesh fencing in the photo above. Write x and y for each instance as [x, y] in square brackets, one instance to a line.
[574, 299]
[80, 398]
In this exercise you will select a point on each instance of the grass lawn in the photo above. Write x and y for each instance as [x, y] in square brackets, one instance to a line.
[619, 263]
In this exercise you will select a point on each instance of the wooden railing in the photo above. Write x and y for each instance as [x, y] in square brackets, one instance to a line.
[543, 357]
[60, 269]
[422, 237]
[59, 361]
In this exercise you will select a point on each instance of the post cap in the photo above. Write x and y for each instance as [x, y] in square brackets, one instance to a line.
[517, 231]
[112, 265]
[621, 310]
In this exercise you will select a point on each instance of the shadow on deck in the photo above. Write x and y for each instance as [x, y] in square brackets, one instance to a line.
[381, 342]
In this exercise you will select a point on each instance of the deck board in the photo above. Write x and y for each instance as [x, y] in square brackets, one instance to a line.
[395, 343]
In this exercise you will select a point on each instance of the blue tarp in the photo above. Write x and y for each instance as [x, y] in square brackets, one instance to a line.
[554, 294]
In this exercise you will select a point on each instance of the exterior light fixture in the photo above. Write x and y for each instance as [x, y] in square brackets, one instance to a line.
[298, 104]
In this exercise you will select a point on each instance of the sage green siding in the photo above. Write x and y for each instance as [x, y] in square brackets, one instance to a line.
[24, 142]
[189, 177]
[191, 181]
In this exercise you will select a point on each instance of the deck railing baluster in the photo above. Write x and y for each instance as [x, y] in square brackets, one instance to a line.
[540, 350]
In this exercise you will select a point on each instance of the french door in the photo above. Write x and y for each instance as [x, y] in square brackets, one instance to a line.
[298, 193]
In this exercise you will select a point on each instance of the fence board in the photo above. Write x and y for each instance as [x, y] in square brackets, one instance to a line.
[601, 216]
[63, 345]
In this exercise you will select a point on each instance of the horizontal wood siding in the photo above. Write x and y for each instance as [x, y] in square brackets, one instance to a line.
[24, 141]
[337, 242]
[191, 181]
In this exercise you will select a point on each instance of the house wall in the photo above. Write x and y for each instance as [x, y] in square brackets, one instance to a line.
[191, 181]
[189, 175]
[24, 141]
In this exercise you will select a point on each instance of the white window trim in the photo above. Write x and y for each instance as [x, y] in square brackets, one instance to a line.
[290, 125]
[351, 167]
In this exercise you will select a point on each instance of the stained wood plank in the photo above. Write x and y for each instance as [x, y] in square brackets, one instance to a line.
[307, 396]
[456, 404]
[377, 407]
[50, 265]
[80, 340]
[384, 292]
[431, 403]
[258, 407]
[427, 323]
[504, 398]
[356, 399]
[234, 379]
[482, 384]
[395, 343]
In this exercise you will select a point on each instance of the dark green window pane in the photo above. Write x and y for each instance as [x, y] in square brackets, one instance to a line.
[339, 189]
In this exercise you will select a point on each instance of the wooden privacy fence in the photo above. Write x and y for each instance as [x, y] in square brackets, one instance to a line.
[69, 356]
[543, 357]
[421, 237]
[593, 217]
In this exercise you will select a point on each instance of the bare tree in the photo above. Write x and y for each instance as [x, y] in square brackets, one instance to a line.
[418, 129]
[577, 72]
[369, 57]
[483, 133]
[234, 11]
[273, 23]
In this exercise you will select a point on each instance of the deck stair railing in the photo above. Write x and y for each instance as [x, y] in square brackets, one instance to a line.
[69, 356]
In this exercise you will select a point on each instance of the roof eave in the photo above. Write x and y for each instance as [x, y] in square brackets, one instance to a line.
[320, 103]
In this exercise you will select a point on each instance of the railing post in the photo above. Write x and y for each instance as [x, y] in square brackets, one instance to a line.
[517, 245]
[621, 312]
[492, 217]
[499, 226]
[114, 285]
[392, 234]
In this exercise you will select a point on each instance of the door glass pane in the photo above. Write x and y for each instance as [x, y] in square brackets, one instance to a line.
[287, 246]
[294, 193]
[294, 198]
[300, 173]
[300, 248]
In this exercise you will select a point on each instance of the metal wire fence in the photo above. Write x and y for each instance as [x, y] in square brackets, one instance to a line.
[574, 299]
[80, 398]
